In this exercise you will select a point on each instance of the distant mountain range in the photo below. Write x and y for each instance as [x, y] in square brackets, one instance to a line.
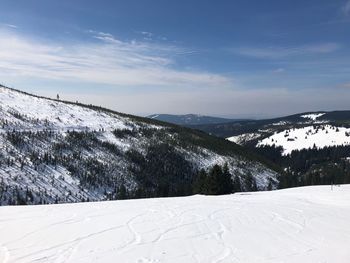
[190, 119]
[311, 147]
[268, 126]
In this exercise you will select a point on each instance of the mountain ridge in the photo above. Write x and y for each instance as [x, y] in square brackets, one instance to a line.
[239, 127]
[57, 151]
[311, 147]
[190, 119]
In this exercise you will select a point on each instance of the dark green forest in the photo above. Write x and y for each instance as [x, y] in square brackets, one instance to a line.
[329, 165]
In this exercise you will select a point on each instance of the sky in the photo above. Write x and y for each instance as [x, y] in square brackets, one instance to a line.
[241, 58]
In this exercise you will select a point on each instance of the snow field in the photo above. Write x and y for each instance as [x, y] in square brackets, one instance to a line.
[312, 116]
[307, 137]
[308, 224]
[241, 139]
[58, 115]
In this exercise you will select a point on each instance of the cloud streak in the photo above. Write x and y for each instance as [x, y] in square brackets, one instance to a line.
[283, 52]
[107, 60]
[11, 26]
[346, 8]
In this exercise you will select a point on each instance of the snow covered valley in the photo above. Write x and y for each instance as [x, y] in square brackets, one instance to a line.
[307, 224]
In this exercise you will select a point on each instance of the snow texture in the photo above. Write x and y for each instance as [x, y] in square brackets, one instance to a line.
[42, 114]
[280, 123]
[243, 138]
[312, 116]
[308, 224]
[307, 137]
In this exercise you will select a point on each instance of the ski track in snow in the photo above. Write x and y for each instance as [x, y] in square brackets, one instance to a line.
[308, 224]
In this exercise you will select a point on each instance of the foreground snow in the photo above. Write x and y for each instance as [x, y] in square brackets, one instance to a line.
[309, 224]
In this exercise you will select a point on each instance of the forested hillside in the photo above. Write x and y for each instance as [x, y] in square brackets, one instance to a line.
[54, 151]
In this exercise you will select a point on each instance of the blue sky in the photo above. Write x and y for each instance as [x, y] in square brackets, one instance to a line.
[226, 58]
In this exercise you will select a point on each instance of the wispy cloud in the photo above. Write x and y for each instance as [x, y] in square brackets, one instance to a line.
[106, 37]
[147, 35]
[346, 8]
[345, 85]
[9, 25]
[282, 52]
[279, 70]
[106, 60]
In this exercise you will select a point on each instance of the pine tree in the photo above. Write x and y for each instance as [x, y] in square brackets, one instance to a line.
[237, 184]
[225, 182]
[200, 185]
[122, 192]
[214, 180]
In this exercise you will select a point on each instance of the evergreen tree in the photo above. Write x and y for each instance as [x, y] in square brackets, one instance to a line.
[200, 185]
[226, 183]
[214, 180]
[237, 184]
[122, 192]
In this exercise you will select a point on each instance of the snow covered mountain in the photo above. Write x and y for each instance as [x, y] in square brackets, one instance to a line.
[295, 132]
[307, 138]
[54, 151]
[311, 148]
[308, 224]
[189, 119]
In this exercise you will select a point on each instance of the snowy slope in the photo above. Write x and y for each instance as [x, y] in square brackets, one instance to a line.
[53, 151]
[296, 132]
[313, 116]
[309, 224]
[308, 137]
[241, 139]
[41, 114]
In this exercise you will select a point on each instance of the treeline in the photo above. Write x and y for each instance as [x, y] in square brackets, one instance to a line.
[329, 165]
[218, 181]
[162, 167]
[165, 172]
